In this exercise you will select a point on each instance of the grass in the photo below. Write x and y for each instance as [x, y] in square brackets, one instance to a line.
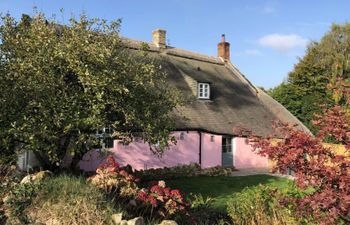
[222, 189]
[70, 200]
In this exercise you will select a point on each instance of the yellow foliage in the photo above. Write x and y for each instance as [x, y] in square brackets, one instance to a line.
[336, 148]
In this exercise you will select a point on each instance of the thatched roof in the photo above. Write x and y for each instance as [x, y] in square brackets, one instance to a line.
[234, 104]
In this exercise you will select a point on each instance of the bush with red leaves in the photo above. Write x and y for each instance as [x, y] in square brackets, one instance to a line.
[159, 198]
[112, 178]
[163, 200]
[317, 168]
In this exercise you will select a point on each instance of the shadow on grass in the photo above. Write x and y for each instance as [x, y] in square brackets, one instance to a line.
[223, 189]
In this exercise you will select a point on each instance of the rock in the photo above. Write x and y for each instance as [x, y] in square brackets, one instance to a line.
[133, 202]
[136, 221]
[39, 176]
[117, 218]
[13, 167]
[53, 221]
[123, 222]
[6, 199]
[168, 222]
[27, 179]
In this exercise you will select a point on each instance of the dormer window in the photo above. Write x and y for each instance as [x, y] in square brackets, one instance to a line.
[203, 91]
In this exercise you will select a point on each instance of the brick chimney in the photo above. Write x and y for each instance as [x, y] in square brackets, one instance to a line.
[159, 36]
[224, 49]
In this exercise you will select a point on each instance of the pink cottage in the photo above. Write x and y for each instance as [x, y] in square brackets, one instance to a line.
[208, 129]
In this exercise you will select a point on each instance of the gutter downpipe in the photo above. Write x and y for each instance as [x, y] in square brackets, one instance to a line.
[200, 148]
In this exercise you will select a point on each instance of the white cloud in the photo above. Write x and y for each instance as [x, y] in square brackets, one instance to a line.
[283, 42]
[268, 9]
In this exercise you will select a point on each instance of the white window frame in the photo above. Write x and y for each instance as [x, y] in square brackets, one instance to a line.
[203, 91]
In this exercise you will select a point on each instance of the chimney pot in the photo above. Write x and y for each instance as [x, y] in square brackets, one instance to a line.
[224, 49]
[222, 38]
[159, 38]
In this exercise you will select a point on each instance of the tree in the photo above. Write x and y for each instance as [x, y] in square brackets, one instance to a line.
[306, 86]
[61, 83]
[318, 169]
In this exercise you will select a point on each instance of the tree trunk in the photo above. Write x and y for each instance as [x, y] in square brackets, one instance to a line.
[77, 157]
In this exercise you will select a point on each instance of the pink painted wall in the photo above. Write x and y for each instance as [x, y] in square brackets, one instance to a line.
[186, 151]
[211, 150]
[244, 157]
[139, 156]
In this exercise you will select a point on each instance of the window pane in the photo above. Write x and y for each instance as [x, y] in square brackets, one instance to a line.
[226, 144]
[203, 90]
[109, 143]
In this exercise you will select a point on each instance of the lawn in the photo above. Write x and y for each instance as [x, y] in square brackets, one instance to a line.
[221, 189]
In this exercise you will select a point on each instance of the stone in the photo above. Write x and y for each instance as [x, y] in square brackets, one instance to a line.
[13, 167]
[168, 222]
[27, 179]
[6, 199]
[123, 222]
[39, 223]
[53, 221]
[39, 176]
[136, 221]
[117, 218]
[132, 202]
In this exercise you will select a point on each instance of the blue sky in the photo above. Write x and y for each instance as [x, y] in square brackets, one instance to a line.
[266, 37]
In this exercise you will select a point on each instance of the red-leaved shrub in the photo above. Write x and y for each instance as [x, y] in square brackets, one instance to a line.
[317, 168]
[111, 178]
[165, 201]
[158, 198]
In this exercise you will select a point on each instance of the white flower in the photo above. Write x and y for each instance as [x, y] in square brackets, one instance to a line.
[161, 183]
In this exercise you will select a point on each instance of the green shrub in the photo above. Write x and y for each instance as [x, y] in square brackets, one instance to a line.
[260, 205]
[202, 213]
[198, 201]
[7, 159]
[217, 171]
[19, 198]
[71, 200]
[205, 216]
[60, 200]
[9, 179]
[190, 170]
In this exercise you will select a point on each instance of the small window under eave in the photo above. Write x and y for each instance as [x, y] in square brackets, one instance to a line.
[203, 91]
